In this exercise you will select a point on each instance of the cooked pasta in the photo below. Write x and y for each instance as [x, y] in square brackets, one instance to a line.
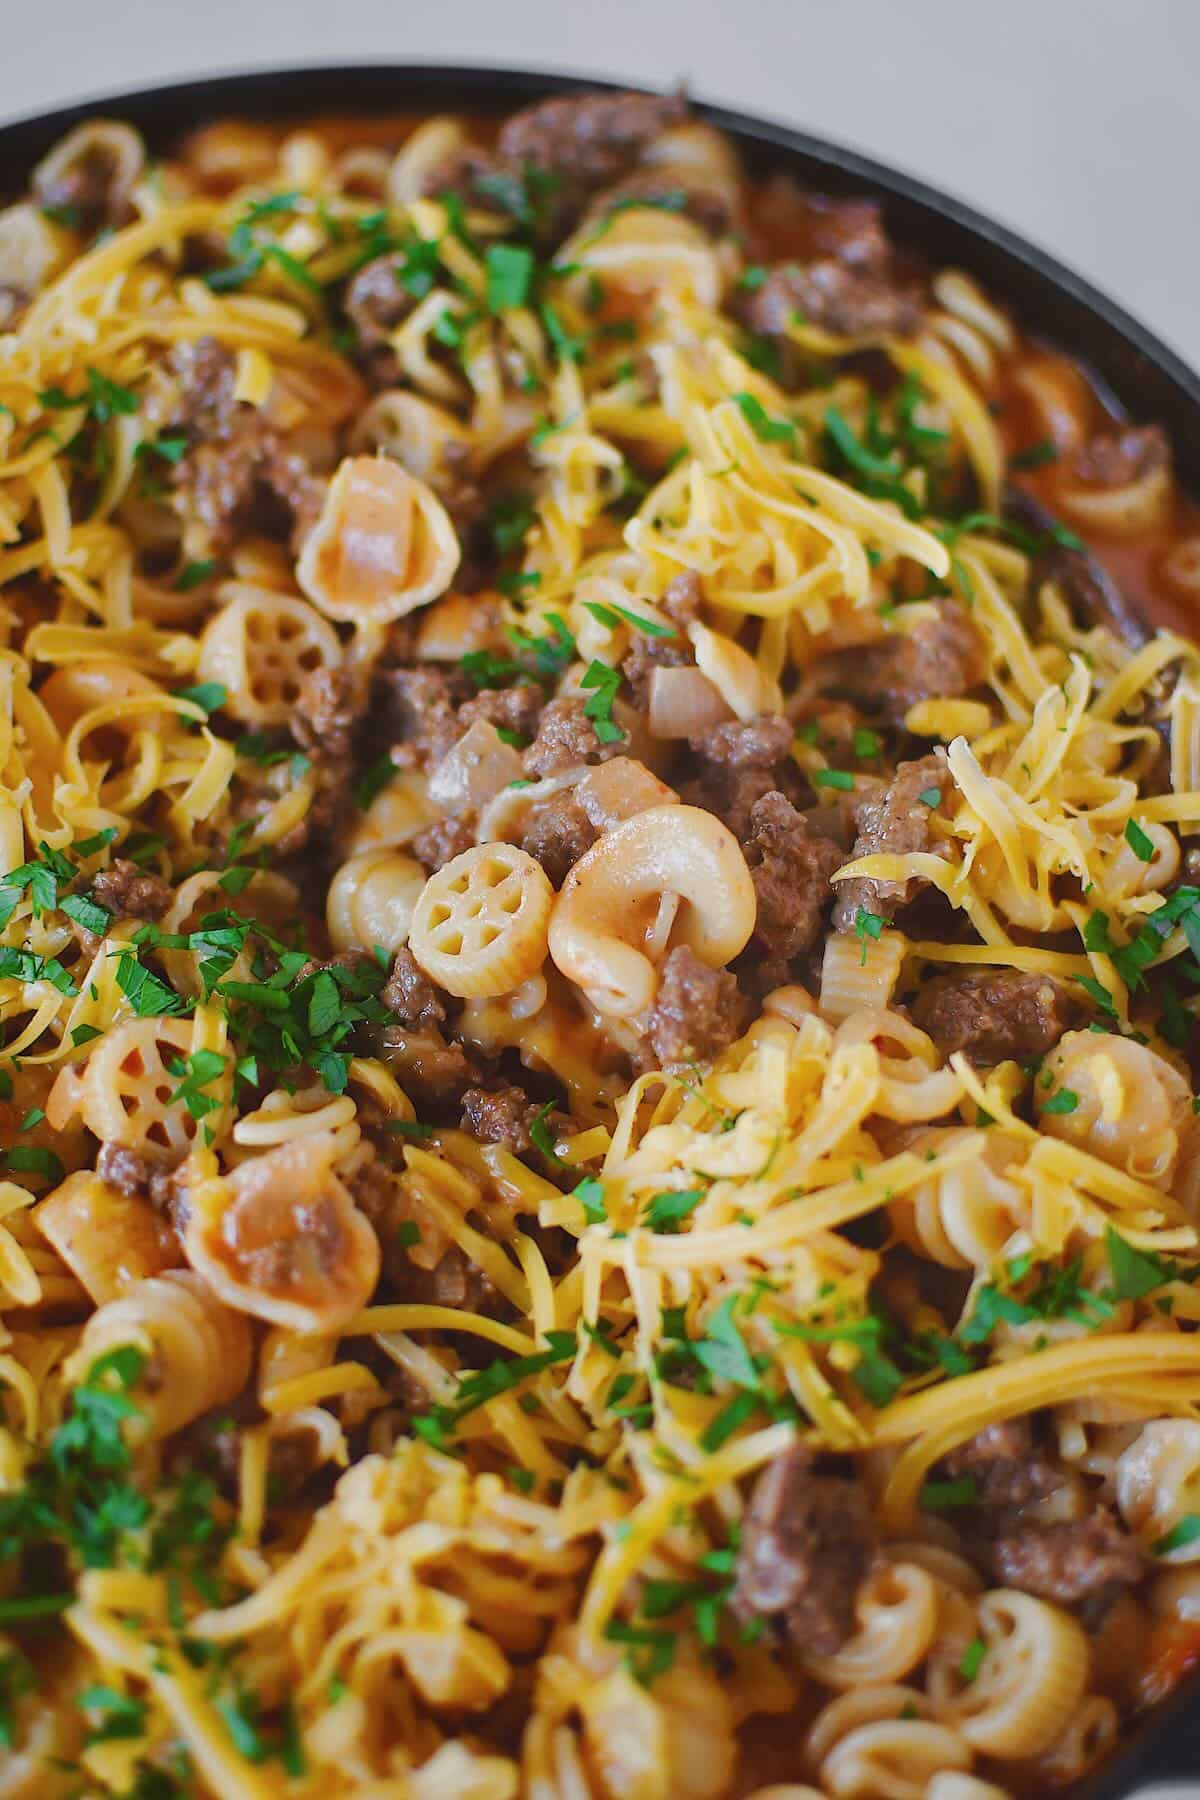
[598, 985]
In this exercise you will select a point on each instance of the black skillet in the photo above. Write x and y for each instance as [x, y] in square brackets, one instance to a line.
[1135, 372]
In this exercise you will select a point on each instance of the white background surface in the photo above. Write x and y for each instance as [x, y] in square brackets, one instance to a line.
[1077, 121]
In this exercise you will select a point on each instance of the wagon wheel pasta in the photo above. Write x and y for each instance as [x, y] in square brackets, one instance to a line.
[599, 915]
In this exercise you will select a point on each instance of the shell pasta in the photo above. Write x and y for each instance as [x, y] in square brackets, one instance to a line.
[599, 915]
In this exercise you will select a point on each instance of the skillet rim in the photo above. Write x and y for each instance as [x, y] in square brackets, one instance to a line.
[1136, 371]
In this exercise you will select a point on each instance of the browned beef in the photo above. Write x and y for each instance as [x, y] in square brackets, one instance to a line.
[131, 893]
[238, 473]
[565, 738]
[409, 993]
[804, 226]
[1005, 1466]
[1069, 1562]
[441, 842]
[584, 142]
[1114, 459]
[456, 1281]
[143, 1176]
[428, 1067]
[557, 834]
[898, 822]
[790, 866]
[995, 1014]
[328, 709]
[696, 1013]
[941, 658]
[516, 709]
[502, 1116]
[834, 295]
[376, 301]
[807, 1543]
[681, 602]
[417, 710]
[739, 762]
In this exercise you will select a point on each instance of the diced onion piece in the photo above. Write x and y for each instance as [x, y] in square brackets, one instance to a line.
[683, 701]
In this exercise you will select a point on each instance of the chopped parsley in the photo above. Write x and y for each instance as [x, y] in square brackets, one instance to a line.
[209, 696]
[605, 683]
[762, 424]
[949, 1496]
[972, 1659]
[667, 1211]
[509, 270]
[510, 520]
[611, 615]
[500, 1377]
[1138, 841]
[590, 1195]
[1064, 1100]
[832, 778]
[195, 574]
[867, 926]
[1036, 456]
[1180, 1536]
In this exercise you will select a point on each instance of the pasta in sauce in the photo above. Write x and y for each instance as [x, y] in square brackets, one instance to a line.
[598, 978]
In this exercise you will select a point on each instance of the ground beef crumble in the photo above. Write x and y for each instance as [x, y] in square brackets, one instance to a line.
[696, 1013]
[807, 1543]
[896, 821]
[995, 1015]
[129, 892]
[790, 866]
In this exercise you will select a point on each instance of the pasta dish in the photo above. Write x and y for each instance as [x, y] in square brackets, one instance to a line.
[599, 964]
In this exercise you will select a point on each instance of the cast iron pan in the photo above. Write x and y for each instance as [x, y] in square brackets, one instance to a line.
[1135, 372]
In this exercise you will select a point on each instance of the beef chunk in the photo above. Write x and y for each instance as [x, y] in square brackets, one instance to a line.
[505, 1115]
[740, 761]
[426, 1065]
[144, 1176]
[681, 602]
[409, 993]
[239, 472]
[1114, 459]
[418, 711]
[995, 1015]
[455, 1281]
[565, 738]
[942, 658]
[790, 867]
[584, 142]
[836, 297]
[376, 301]
[896, 821]
[328, 709]
[1005, 1466]
[808, 1541]
[440, 843]
[516, 709]
[557, 834]
[132, 893]
[500, 1117]
[1071, 1561]
[696, 1013]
